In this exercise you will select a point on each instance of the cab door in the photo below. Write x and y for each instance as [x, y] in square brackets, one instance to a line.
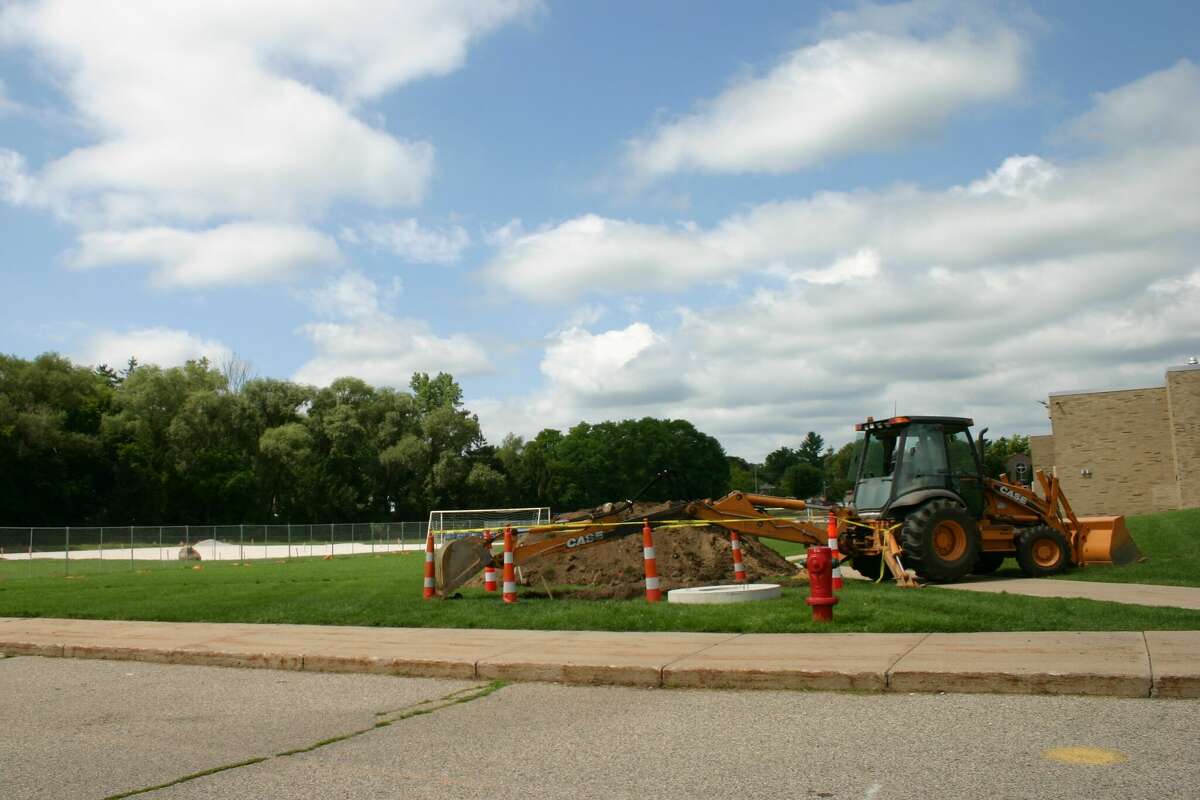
[965, 473]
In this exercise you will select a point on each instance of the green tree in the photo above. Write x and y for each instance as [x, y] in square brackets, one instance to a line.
[52, 464]
[741, 474]
[777, 463]
[837, 466]
[609, 461]
[811, 450]
[154, 482]
[286, 472]
[802, 480]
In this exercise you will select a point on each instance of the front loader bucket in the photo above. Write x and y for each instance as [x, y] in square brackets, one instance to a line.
[1108, 541]
[457, 561]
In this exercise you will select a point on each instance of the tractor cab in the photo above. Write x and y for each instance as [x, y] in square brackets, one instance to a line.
[904, 461]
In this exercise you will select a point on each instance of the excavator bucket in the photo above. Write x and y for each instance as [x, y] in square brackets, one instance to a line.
[457, 561]
[1107, 541]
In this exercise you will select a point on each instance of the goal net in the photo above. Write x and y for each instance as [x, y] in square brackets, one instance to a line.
[453, 523]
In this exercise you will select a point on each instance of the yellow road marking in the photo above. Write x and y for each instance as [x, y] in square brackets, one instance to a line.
[1085, 755]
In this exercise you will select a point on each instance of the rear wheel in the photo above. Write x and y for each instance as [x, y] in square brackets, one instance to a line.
[988, 563]
[1042, 551]
[941, 540]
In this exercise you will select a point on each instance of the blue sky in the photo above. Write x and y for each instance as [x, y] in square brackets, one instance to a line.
[764, 217]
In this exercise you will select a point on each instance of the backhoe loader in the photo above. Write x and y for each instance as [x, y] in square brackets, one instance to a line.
[922, 509]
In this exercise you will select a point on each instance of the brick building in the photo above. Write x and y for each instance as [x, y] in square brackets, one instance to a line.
[1130, 451]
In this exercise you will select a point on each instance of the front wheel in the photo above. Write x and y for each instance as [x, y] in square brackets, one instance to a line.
[941, 540]
[1043, 551]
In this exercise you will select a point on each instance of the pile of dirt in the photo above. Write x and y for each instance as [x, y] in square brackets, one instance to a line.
[687, 555]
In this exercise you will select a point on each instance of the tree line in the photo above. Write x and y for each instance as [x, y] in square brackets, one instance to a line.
[199, 444]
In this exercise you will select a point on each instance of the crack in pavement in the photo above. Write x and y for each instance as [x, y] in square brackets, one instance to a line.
[386, 718]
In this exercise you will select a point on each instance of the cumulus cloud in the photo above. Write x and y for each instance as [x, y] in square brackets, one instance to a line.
[361, 338]
[854, 91]
[218, 112]
[975, 300]
[15, 184]
[412, 241]
[1025, 209]
[237, 253]
[1163, 106]
[165, 347]
[630, 365]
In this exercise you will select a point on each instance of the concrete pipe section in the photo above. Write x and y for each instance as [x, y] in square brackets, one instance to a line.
[734, 593]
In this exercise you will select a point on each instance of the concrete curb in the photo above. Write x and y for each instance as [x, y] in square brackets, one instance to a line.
[1122, 664]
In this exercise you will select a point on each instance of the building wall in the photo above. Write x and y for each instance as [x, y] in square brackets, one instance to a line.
[1041, 450]
[1183, 404]
[1123, 438]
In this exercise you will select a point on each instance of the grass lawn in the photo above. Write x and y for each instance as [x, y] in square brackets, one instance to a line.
[385, 590]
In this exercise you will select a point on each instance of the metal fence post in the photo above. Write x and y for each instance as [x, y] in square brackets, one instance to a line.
[331, 540]
[31, 552]
[160, 555]
[131, 548]
[241, 543]
[67, 553]
[289, 550]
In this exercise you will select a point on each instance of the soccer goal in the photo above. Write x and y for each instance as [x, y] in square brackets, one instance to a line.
[454, 523]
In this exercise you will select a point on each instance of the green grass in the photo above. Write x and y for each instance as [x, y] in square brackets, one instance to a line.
[385, 590]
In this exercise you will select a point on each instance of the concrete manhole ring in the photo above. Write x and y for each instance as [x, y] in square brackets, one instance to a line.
[731, 593]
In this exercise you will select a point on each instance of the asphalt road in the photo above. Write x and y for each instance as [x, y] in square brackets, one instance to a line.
[90, 729]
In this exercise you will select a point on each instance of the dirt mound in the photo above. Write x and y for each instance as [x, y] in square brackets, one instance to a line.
[693, 555]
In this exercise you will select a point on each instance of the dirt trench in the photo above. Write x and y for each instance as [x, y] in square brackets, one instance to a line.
[692, 555]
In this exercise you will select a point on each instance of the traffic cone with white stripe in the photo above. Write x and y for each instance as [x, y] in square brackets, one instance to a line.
[489, 572]
[739, 571]
[429, 583]
[832, 535]
[510, 577]
[653, 593]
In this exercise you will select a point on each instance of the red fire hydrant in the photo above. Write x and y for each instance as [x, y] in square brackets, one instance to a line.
[820, 583]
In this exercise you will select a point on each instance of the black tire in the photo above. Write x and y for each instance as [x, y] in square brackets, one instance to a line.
[988, 563]
[940, 540]
[1043, 551]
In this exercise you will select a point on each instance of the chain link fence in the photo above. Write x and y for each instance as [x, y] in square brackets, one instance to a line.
[82, 550]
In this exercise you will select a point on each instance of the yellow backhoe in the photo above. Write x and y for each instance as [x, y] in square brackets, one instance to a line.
[922, 509]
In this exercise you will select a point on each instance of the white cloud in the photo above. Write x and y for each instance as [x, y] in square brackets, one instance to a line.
[1018, 176]
[351, 296]
[217, 112]
[862, 265]
[617, 366]
[1163, 106]
[165, 347]
[863, 91]
[413, 242]
[976, 300]
[237, 253]
[15, 184]
[504, 235]
[366, 341]
[1024, 210]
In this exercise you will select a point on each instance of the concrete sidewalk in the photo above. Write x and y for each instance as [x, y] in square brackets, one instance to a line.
[1138, 594]
[1128, 664]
